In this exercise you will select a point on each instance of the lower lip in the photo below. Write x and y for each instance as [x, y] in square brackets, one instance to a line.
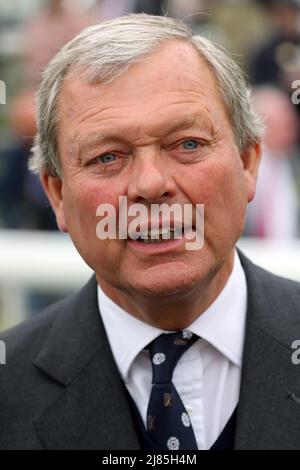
[154, 248]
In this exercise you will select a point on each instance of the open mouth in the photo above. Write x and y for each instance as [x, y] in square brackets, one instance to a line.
[160, 235]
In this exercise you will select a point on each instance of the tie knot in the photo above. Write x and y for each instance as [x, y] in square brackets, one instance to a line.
[165, 352]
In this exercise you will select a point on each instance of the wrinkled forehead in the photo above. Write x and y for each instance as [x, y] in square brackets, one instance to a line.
[175, 75]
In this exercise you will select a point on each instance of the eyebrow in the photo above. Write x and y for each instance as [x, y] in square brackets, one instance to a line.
[93, 139]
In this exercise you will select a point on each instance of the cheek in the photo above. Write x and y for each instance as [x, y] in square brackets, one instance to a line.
[80, 206]
[219, 186]
[82, 199]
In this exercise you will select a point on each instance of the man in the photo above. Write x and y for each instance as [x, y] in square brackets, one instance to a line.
[139, 108]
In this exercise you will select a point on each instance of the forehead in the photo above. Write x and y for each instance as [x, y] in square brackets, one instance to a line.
[165, 84]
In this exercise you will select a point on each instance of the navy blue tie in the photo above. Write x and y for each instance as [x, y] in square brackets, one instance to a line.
[168, 423]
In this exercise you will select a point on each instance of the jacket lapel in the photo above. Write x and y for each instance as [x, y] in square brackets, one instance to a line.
[92, 411]
[269, 416]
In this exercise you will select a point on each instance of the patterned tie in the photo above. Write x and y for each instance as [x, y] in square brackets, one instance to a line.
[168, 423]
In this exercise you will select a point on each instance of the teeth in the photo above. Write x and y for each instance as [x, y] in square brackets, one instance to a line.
[159, 235]
[156, 233]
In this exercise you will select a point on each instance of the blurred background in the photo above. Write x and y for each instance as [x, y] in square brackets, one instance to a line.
[37, 263]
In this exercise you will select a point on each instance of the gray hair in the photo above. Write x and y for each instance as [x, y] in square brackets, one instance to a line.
[106, 50]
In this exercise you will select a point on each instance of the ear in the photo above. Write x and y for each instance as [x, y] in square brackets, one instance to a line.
[251, 157]
[53, 188]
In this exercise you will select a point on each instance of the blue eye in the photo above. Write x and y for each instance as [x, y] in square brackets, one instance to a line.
[107, 158]
[190, 144]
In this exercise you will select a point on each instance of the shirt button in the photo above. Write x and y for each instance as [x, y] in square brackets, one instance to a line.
[189, 409]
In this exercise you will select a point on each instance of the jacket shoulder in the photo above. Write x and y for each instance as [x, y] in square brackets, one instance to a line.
[28, 335]
[26, 390]
[273, 302]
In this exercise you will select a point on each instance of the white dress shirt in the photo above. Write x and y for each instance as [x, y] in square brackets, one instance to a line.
[207, 376]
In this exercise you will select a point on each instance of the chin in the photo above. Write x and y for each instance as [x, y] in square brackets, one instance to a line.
[167, 285]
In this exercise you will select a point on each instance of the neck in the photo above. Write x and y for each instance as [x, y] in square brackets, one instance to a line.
[175, 312]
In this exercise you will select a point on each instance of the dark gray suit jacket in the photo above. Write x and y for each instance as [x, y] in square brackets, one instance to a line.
[60, 388]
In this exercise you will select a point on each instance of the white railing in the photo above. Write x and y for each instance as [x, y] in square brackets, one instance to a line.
[39, 261]
[48, 262]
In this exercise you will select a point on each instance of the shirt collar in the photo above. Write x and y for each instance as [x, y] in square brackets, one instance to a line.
[222, 324]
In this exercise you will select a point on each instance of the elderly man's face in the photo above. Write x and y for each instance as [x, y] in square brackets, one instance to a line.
[159, 133]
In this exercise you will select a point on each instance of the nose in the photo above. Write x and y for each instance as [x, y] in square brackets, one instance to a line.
[151, 178]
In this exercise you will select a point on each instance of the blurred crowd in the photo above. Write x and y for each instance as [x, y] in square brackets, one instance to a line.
[263, 36]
